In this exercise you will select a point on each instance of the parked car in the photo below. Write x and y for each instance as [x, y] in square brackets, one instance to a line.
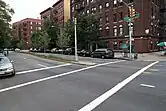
[47, 51]
[54, 50]
[103, 53]
[6, 67]
[84, 53]
[60, 51]
[17, 49]
[69, 51]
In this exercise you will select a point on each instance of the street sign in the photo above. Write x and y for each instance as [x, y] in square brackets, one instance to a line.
[126, 18]
[137, 15]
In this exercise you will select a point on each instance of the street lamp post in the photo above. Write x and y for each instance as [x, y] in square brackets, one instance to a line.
[75, 27]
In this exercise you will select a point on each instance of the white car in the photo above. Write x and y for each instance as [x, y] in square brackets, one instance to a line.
[17, 49]
[6, 67]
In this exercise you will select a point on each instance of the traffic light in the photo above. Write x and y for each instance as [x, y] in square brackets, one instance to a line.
[132, 12]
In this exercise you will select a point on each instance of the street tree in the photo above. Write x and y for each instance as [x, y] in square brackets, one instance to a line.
[64, 38]
[5, 18]
[53, 31]
[87, 31]
[40, 39]
[22, 44]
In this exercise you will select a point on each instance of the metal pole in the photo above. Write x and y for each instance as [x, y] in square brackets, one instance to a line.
[75, 26]
[130, 37]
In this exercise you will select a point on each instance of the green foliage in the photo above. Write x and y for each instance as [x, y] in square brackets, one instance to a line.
[87, 31]
[22, 44]
[40, 39]
[53, 31]
[14, 41]
[63, 39]
[5, 18]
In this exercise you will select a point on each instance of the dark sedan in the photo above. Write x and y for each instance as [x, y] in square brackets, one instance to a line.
[103, 53]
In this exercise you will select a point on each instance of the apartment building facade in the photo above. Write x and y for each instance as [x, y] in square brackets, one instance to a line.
[147, 30]
[59, 13]
[25, 28]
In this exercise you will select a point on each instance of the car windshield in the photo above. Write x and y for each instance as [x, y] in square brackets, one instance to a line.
[4, 60]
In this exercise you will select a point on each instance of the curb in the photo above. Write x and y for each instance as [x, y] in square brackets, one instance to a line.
[84, 63]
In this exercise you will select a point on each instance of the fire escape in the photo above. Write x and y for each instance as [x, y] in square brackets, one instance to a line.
[162, 22]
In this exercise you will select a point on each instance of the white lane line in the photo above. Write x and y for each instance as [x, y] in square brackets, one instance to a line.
[56, 76]
[42, 65]
[41, 69]
[146, 85]
[92, 105]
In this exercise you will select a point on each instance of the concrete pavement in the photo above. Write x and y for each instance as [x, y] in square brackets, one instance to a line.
[71, 87]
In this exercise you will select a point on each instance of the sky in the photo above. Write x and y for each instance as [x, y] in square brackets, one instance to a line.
[28, 8]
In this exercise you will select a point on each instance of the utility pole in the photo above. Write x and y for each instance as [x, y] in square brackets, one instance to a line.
[75, 27]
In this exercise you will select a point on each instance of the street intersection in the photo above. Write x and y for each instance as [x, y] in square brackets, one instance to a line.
[109, 85]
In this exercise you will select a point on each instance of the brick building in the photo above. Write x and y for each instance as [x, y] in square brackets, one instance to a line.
[25, 28]
[148, 29]
[46, 14]
[59, 12]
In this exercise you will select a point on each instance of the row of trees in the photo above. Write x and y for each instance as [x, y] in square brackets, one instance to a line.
[54, 36]
[5, 28]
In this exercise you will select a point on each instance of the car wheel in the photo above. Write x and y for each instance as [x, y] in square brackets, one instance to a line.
[14, 73]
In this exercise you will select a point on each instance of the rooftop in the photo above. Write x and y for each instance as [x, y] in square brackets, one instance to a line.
[45, 10]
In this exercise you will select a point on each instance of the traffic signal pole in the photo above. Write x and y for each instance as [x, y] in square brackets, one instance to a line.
[130, 33]
[130, 55]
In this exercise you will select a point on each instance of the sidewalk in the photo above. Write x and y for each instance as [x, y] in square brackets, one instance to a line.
[155, 56]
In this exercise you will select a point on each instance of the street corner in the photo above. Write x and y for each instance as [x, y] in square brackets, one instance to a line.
[86, 63]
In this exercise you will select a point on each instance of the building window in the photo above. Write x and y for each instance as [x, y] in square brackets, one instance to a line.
[87, 11]
[121, 4]
[31, 27]
[107, 5]
[83, 13]
[31, 32]
[115, 45]
[106, 19]
[121, 15]
[130, 1]
[72, 1]
[92, 1]
[83, 3]
[120, 30]
[115, 17]
[87, 2]
[100, 19]
[76, 6]
[100, 28]
[72, 9]
[115, 3]
[115, 31]
[31, 23]
[107, 29]
[100, 8]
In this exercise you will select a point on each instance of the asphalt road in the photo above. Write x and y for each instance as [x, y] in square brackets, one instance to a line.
[111, 85]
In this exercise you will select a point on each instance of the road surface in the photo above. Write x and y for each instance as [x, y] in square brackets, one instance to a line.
[110, 85]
